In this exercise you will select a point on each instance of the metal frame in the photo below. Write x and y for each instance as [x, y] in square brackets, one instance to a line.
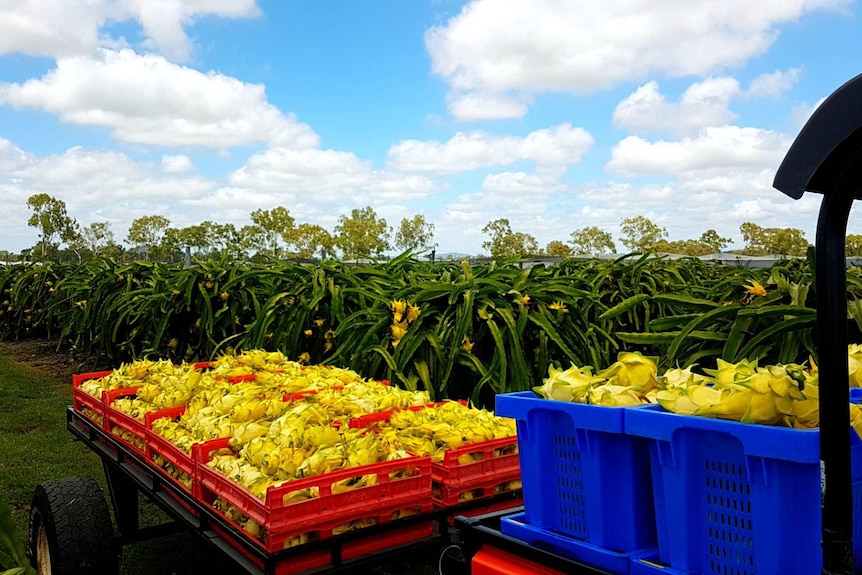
[485, 530]
[826, 158]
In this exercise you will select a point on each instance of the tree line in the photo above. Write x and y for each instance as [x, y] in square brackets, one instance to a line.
[640, 234]
[275, 233]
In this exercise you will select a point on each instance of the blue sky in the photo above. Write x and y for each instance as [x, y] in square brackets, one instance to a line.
[557, 115]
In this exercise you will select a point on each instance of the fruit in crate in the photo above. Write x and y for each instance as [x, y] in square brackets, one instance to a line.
[173, 389]
[364, 397]
[249, 362]
[435, 429]
[132, 374]
[308, 378]
[631, 380]
[133, 407]
[297, 449]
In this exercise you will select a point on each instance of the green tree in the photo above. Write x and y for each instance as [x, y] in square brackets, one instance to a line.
[97, 238]
[558, 249]
[274, 224]
[504, 242]
[639, 233]
[146, 235]
[853, 246]
[709, 243]
[198, 238]
[754, 238]
[8, 257]
[683, 247]
[499, 230]
[415, 234]
[250, 239]
[362, 234]
[52, 220]
[222, 236]
[773, 241]
[592, 241]
[310, 239]
[713, 241]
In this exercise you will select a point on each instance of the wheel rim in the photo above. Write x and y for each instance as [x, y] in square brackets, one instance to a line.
[43, 554]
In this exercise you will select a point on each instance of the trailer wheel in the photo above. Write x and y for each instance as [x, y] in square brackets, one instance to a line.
[70, 529]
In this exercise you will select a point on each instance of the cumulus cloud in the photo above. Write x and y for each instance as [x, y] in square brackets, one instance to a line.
[525, 46]
[88, 177]
[96, 185]
[472, 107]
[773, 84]
[177, 164]
[146, 99]
[548, 148]
[715, 148]
[703, 104]
[325, 175]
[521, 183]
[60, 28]
[12, 157]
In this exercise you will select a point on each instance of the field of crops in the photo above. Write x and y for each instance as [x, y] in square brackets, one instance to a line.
[451, 329]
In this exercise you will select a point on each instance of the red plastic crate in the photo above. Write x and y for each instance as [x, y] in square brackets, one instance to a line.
[489, 471]
[495, 484]
[298, 395]
[272, 514]
[82, 399]
[116, 418]
[323, 530]
[452, 478]
[156, 445]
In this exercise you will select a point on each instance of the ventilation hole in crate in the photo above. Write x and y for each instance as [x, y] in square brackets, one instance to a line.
[570, 487]
[728, 512]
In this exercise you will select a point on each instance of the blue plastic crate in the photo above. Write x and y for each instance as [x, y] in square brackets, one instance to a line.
[614, 562]
[582, 476]
[736, 499]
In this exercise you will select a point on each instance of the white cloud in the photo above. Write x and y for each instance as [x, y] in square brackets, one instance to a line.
[96, 185]
[90, 177]
[146, 99]
[773, 84]
[325, 176]
[717, 148]
[527, 46]
[11, 156]
[702, 105]
[177, 164]
[521, 183]
[61, 28]
[548, 148]
[471, 107]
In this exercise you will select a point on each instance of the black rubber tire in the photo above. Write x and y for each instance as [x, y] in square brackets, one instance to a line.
[70, 518]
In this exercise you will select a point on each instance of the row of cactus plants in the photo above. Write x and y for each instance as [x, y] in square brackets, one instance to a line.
[453, 329]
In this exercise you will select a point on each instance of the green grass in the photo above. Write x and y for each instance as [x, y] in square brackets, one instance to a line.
[36, 447]
[34, 443]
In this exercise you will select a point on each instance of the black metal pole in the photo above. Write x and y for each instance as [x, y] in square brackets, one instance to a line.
[831, 285]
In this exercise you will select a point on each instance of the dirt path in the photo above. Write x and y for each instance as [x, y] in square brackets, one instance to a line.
[42, 356]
